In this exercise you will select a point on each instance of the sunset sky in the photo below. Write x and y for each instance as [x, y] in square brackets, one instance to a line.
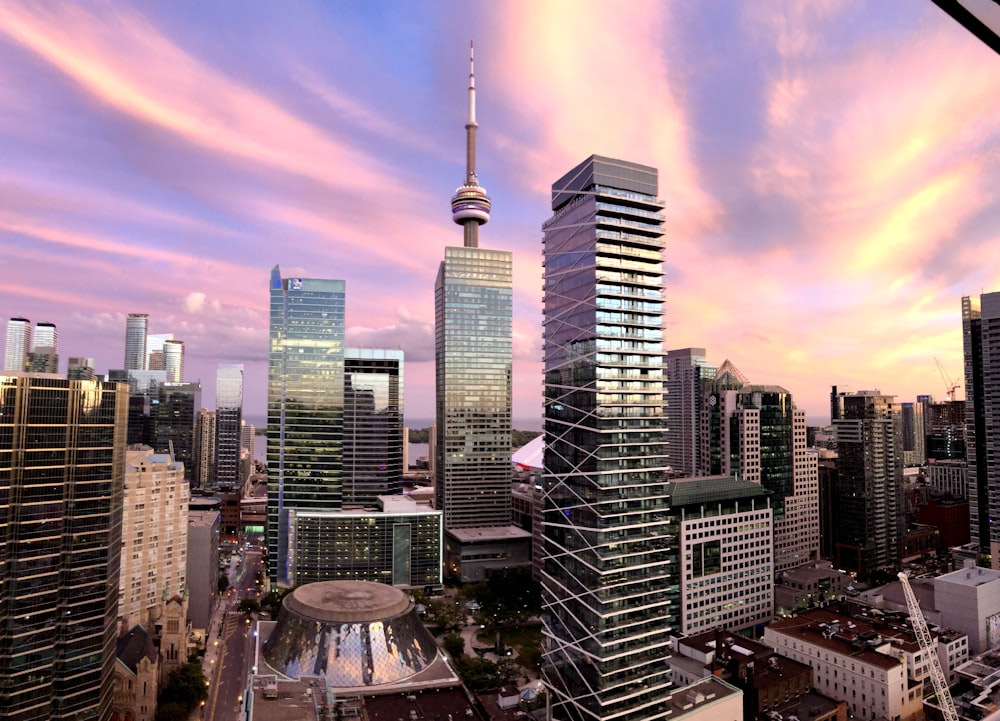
[831, 172]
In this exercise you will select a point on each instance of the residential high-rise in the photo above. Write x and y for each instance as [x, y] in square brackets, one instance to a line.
[44, 354]
[608, 614]
[373, 425]
[18, 344]
[688, 374]
[473, 320]
[870, 514]
[62, 459]
[154, 536]
[154, 350]
[756, 433]
[228, 414]
[204, 449]
[135, 341]
[914, 436]
[305, 406]
[173, 360]
[981, 343]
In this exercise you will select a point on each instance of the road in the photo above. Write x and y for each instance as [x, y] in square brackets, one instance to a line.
[229, 670]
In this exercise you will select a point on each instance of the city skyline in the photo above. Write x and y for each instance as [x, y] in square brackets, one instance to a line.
[160, 164]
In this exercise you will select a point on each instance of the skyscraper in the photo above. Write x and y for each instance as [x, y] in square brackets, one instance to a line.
[173, 360]
[870, 517]
[18, 344]
[305, 406]
[473, 316]
[62, 447]
[688, 374]
[135, 341]
[204, 449]
[80, 369]
[608, 614]
[228, 414]
[172, 420]
[373, 425]
[44, 354]
[914, 435]
[154, 350]
[981, 344]
[756, 433]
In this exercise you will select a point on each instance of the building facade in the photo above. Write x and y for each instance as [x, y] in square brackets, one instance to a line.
[870, 518]
[62, 446]
[607, 611]
[172, 420]
[914, 434]
[204, 449]
[202, 572]
[154, 536]
[228, 416]
[305, 407]
[173, 360]
[724, 552]
[18, 344]
[44, 354]
[135, 341]
[981, 345]
[373, 425]
[688, 375]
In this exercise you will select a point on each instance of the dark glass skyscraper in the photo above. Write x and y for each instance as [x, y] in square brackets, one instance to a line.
[871, 518]
[305, 406]
[608, 613]
[62, 463]
[981, 341]
[172, 419]
[373, 425]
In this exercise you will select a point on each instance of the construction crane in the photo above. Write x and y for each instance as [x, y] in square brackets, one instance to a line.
[950, 385]
[944, 699]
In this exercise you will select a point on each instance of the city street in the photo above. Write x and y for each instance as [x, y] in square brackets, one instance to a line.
[227, 662]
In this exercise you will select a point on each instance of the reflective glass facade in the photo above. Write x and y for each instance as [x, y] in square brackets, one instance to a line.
[228, 417]
[305, 406]
[398, 549]
[373, 425]
[135, 341]
[472, 326]
[609, 587]
[172, 419]
[62, 446]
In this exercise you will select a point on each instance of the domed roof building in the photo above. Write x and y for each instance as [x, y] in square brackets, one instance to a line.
[361, 637]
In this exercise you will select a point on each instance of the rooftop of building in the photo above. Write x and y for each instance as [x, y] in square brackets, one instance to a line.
[274, 699]
[485, 534]
[202, 518]
[706, 643]
[978, 688]
[696, 696]
[347, 601]
[975, 576]
[810, 706]
[403, 504]
[428, 705]
[135, 645]
[850, 634]
[817, 571]
[712, 489]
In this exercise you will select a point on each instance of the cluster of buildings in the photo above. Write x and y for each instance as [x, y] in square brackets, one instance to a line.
[672, 510]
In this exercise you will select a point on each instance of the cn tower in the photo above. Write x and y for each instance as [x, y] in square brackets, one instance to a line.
[470, 207]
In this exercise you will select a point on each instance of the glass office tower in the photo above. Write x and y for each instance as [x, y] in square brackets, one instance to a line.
[18, 344]
[62, 462]
[305, 406]
[228, 418]
[473, 312]
[607, 611]
[373, 425]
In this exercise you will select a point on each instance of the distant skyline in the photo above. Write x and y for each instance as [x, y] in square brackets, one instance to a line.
[830, 171]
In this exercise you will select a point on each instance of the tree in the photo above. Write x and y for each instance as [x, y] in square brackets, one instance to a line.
[186, 687]
[450, 615]
[249, 606]
[454, 644]
[223, 583]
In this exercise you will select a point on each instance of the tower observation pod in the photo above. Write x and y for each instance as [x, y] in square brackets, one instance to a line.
[470, 207]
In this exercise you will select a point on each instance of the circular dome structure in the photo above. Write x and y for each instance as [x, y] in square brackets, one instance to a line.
[355, 633]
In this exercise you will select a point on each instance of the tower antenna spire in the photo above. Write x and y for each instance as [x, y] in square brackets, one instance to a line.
[470, 207]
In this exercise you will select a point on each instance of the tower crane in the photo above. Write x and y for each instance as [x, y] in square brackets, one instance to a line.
[950, 385]
[944, 699]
